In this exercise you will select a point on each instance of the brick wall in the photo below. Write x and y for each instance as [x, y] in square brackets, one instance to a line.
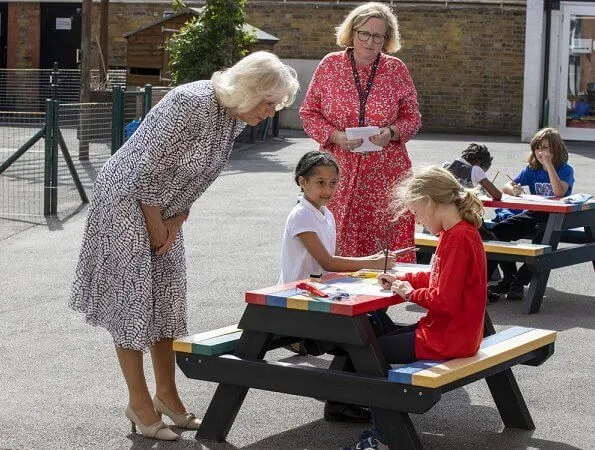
[466, 60]
[23, 35]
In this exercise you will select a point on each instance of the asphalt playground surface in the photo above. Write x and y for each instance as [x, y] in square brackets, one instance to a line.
[61, 386]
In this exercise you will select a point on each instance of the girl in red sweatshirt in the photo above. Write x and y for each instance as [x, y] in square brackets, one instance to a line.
[454, 291]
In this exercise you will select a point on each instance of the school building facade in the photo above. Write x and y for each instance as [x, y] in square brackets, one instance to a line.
[478, 65]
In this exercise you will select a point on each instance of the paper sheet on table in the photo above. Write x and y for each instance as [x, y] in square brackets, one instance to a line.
[410, 268]
[364, 133]
[533, 198]
[374, 289]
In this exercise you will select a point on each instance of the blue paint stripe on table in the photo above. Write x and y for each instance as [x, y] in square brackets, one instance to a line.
[279, 299]
[403, 374]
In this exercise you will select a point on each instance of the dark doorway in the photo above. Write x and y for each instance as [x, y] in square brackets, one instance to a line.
[3, 33]
[60, 35]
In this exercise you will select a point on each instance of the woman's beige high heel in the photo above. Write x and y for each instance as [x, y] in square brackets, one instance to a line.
[186, 420]
[158, 430]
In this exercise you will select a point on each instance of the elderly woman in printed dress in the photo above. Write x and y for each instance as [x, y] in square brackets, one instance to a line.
[131, 273]
[364, 86]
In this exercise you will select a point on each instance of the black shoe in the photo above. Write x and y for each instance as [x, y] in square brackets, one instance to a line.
[343, 412]
[516, 291]
[496, 289]
[493, 296]
[501, 287]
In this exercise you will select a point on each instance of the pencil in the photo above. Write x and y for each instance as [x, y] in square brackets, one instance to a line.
[385, 259]
[508, 176]
[495, 176]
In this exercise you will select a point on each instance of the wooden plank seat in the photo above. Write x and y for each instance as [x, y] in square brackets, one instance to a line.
[219, 342]
[413, 388]
[571, 236]
[504, 346]
[497, 250]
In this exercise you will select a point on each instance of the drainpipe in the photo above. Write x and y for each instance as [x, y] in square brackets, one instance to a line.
[545, 111]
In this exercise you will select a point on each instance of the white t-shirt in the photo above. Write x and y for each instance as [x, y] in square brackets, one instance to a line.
[477, 174]
[296, 261]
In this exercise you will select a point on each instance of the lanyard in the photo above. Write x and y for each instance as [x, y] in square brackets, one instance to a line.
[363, 95]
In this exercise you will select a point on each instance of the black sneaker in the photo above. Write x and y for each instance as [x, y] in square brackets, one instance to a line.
[493, 297]
[516, 291]
[368, 440]
[497, 289]
[343, 412]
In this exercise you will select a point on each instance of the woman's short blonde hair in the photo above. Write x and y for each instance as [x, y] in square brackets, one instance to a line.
[360, 15]
[256, 77]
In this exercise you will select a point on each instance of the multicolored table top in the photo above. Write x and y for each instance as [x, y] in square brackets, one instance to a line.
[365, 295]
[534, 203]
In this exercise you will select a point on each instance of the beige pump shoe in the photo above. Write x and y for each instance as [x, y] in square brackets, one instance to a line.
[156, 431]
[186, 420]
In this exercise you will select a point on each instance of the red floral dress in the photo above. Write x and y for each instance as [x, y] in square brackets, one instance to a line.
[360, 205]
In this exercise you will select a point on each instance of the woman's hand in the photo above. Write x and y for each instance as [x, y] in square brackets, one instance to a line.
[340, 138]
[172, 225]
[401, 288]
[158, 235]
[382, 139]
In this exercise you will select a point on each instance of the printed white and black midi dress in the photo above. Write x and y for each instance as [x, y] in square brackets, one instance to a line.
[176, 153]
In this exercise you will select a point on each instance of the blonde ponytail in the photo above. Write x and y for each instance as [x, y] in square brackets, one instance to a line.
[470, 207]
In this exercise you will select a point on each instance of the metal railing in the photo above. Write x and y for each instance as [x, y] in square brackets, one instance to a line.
[129, 109]
[27, 89]
[49, 160]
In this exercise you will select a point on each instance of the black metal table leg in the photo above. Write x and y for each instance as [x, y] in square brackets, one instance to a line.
[488, 326]
[397, 429]
[228, 399]
[396, 426]
[509, 400]
[551, 237]
[589, 238]
[535, 293]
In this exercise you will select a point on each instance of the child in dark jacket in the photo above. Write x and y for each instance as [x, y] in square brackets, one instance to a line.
[470, 169]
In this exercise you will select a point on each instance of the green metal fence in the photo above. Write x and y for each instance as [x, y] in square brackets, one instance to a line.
[50, 160]
[128, 106]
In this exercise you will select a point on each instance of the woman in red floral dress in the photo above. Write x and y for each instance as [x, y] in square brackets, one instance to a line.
[362, 86]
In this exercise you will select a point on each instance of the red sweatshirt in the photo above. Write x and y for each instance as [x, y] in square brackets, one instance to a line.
[454, 293]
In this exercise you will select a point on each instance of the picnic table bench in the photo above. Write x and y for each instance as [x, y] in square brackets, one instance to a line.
[531, 254]
[562, 218]
[235, 360]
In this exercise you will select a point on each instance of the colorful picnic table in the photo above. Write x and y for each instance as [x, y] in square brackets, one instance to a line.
[358, 373]
[562, 216]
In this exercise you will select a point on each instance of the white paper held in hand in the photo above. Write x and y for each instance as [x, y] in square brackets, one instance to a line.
[363, 133]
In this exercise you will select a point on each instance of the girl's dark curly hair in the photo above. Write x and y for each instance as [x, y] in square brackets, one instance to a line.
[478, 154]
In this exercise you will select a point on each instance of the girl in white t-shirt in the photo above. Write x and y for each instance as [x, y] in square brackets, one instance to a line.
[310, 236]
